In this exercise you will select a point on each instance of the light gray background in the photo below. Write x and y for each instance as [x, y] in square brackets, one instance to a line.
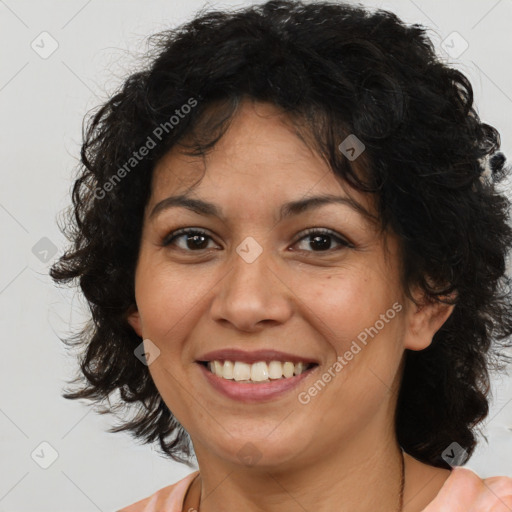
[42, 103]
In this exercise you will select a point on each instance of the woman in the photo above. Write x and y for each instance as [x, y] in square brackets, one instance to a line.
[290, 236]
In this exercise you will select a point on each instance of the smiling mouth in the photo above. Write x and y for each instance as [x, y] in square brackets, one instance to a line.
[259, 372]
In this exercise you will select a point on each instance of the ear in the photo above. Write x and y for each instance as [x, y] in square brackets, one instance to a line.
[424, 320]
[134, 320]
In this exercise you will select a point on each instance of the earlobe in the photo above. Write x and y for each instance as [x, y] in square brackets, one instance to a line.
[423, 321]
[134, 320]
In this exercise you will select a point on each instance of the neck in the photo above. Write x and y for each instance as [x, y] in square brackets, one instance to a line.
[362, 475]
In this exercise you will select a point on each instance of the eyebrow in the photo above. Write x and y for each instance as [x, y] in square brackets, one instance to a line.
[287, 209]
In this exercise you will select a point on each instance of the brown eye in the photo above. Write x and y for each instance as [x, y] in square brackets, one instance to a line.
[321, 240]
[195, 239]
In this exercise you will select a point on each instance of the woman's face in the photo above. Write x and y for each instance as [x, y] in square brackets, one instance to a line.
[256, 281]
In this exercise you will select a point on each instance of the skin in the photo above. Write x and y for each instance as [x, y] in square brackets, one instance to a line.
[339, 451]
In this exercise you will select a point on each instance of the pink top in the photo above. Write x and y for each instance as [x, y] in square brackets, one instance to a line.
[168, 499]
[171, 498]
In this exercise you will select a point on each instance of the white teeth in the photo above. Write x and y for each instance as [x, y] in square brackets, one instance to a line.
[275, 370]
[298, 368]
[242, 371]
[288, 369]
[227, 370]
[217, 367]
[259, 371]
[256, 372]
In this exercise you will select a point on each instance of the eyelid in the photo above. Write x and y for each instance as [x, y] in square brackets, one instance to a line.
[341, 240]
[326, 231]
[176, 233]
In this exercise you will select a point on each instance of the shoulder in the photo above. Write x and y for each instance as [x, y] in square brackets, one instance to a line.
[467, 479]
[465, 488]
[432, 489]
[167, 499]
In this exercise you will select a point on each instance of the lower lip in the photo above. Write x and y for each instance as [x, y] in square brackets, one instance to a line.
[250, 393]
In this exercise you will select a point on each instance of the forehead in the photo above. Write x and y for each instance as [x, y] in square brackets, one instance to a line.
[260, 157]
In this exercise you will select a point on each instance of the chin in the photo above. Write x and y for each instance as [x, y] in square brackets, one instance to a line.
[261, 452]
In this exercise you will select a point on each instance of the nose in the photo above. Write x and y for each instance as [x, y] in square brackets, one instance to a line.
[251, 295]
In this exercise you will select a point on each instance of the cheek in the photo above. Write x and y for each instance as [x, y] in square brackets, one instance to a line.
[169, 301]
[358, 312]
[346, 309]
[347, 301]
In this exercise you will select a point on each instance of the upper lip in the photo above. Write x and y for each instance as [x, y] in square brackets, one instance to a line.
[233, 354]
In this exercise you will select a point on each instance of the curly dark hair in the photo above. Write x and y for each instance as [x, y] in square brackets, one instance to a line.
[432, 166]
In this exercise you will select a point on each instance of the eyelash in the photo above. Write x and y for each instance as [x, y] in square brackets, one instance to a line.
[308, 232]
